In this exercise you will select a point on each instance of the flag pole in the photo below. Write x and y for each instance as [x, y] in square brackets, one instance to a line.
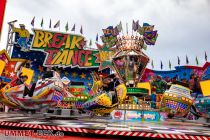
[122, 28]
[127, 28]
[132, 28]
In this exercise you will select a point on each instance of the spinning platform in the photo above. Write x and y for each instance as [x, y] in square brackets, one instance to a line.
[166, 130]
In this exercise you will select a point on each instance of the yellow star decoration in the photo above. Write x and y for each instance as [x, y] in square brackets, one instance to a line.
[66, 73]
[6, 72]
[74, 74]
[83, 76]
[89, 84]
[8, 61]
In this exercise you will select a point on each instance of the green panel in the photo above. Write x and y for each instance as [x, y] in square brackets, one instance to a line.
[137, 90]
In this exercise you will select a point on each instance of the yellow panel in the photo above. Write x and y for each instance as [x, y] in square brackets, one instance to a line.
[145, 85]
[29, 73]
[2, 65]
[205, 87]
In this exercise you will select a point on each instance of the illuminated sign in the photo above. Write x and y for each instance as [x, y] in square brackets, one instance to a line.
[133, 115]
[118, 114]
[137, 90]
[63, 49]
[151, 116]
[76, 90]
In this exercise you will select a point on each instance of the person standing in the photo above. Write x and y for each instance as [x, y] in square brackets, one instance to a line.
[160, 85]
[153, 98]
[23, 36]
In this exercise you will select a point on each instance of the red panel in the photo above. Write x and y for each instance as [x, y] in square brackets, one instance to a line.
[2, 10]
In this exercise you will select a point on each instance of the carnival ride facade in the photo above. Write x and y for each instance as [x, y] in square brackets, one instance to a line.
[41, 97]
[122, 54]
[177, 100]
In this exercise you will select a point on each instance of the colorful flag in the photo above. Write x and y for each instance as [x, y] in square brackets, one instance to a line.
[109, 31]
[151, 41]
[150, 34]
[119, 27]
[97, 37]
[32, 22]
[161, 65]
[147, 27]
[115, 32]
[170, 64]
[206, 57]
[90, 43]
[140, 30]
[42, 22]
[67, 27]
[50, 24]
[57, 24]
[135, 25]
[152, 64]
[178, 60]
[109, 41]
[127, 28]
[73, 28]
[187, 60]
[146, 24]
[81, 31]
[197, 62]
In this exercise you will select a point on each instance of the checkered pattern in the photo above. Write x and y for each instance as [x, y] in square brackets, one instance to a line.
[188, 131]
[43, 82]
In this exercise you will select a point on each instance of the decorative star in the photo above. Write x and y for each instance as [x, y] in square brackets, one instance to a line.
[12, 74]
[107, 62]
[83, 76]
[66, 73]
[74, 74]
[10, 64]
[89, 78]
[6, 72]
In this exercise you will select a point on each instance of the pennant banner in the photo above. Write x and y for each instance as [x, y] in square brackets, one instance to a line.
[32, 22]
[57, 24]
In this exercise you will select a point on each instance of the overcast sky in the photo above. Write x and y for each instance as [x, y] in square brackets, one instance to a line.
[183, 25]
